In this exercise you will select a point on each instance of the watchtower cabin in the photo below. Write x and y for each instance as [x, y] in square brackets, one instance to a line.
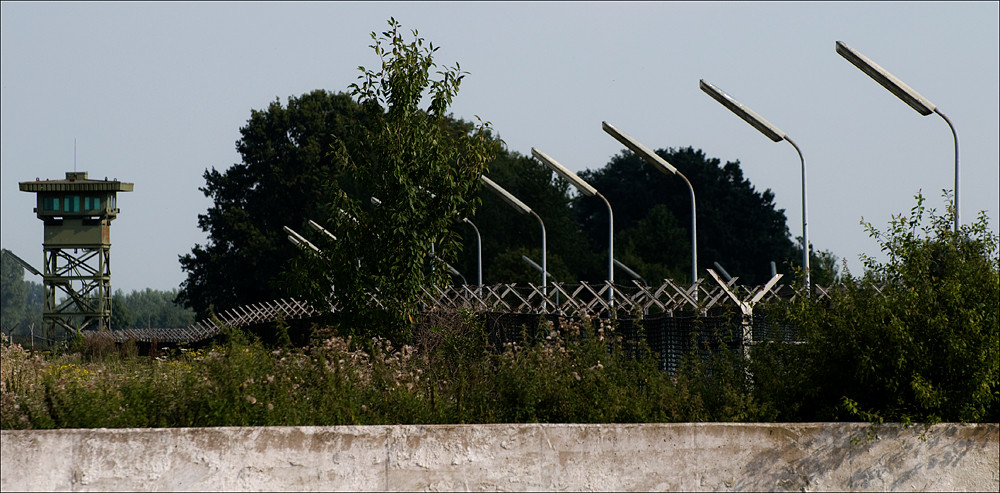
[77, 213]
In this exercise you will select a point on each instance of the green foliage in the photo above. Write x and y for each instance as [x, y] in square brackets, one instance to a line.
[121, 317]
[20, 300]
[655, 237]
[13, 292]
[714, 381]
[576, 371]
[285, 173]
[151, 308]
[422, 167]
[511, 267]
[914, 339]
[823, 268]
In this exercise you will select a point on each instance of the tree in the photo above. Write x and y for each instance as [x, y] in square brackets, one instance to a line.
[422, 168]
[13, 293]
[21, 301]
[915, 338]
[150, 308]
[738, 226]
[284, 175]
[121, 317]
[655, 237]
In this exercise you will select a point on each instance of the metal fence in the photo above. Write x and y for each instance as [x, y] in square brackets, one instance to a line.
[242, 316]
[666, 312]
[605, 300]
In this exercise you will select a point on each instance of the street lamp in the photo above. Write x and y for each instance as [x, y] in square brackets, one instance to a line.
[665, 168]
[765, 127]
[586, 189]
[904, 92]
[523, 209]
[299, 240]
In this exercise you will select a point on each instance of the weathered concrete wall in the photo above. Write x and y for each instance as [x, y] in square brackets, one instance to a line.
[688, 457]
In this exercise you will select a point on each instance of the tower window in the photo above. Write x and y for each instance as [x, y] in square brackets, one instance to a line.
[50, 203]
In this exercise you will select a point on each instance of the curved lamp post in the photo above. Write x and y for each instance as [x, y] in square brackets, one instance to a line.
[479, 252]
[904, 92]
[586, 189]
[765, 127]
[665, 168]
[523, 209]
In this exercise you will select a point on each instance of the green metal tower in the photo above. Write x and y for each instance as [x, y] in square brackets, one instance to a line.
[77, 213]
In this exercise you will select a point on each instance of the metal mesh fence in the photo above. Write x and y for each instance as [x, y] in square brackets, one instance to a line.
[669, 318]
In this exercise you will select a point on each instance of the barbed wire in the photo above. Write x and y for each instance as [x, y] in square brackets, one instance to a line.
[572, 300]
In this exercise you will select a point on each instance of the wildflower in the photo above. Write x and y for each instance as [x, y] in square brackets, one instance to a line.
[251, 399]
[270, 407]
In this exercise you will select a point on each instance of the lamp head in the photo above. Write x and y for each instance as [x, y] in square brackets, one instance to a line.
[641, 150]
[567, 175]
[888, 81]
[506, 196]
[765, 127]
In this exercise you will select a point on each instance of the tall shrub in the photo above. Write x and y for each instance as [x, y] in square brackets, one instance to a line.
[915, 338]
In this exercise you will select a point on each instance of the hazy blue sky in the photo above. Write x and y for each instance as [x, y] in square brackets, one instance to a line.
[155, 93]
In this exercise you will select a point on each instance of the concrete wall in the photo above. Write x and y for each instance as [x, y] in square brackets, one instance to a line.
[690, 456]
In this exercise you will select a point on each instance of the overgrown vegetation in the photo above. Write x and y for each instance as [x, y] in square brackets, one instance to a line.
[913, 339]
[451, 373]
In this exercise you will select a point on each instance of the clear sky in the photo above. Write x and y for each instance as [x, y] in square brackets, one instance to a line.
[155, 93]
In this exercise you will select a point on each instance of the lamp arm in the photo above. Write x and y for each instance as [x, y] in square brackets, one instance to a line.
[955, 135]
[694, 231]
[545, 268]
[611, 248]
[805, 217]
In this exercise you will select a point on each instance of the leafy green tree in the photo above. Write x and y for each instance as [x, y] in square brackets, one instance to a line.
[423, 169]
[121, 317]
[13, 293]
[915, 338]
[655, 236]
[21, 300]
[510, 266]
[150, 308]
[738, 226]
[284, 175]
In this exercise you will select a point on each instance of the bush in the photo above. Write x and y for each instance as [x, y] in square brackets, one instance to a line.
[913, 339]
[570, 371]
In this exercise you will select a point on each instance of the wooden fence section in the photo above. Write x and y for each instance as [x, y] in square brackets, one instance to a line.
[570, 300]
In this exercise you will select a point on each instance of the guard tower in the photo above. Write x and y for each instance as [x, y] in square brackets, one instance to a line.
[77, 213]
